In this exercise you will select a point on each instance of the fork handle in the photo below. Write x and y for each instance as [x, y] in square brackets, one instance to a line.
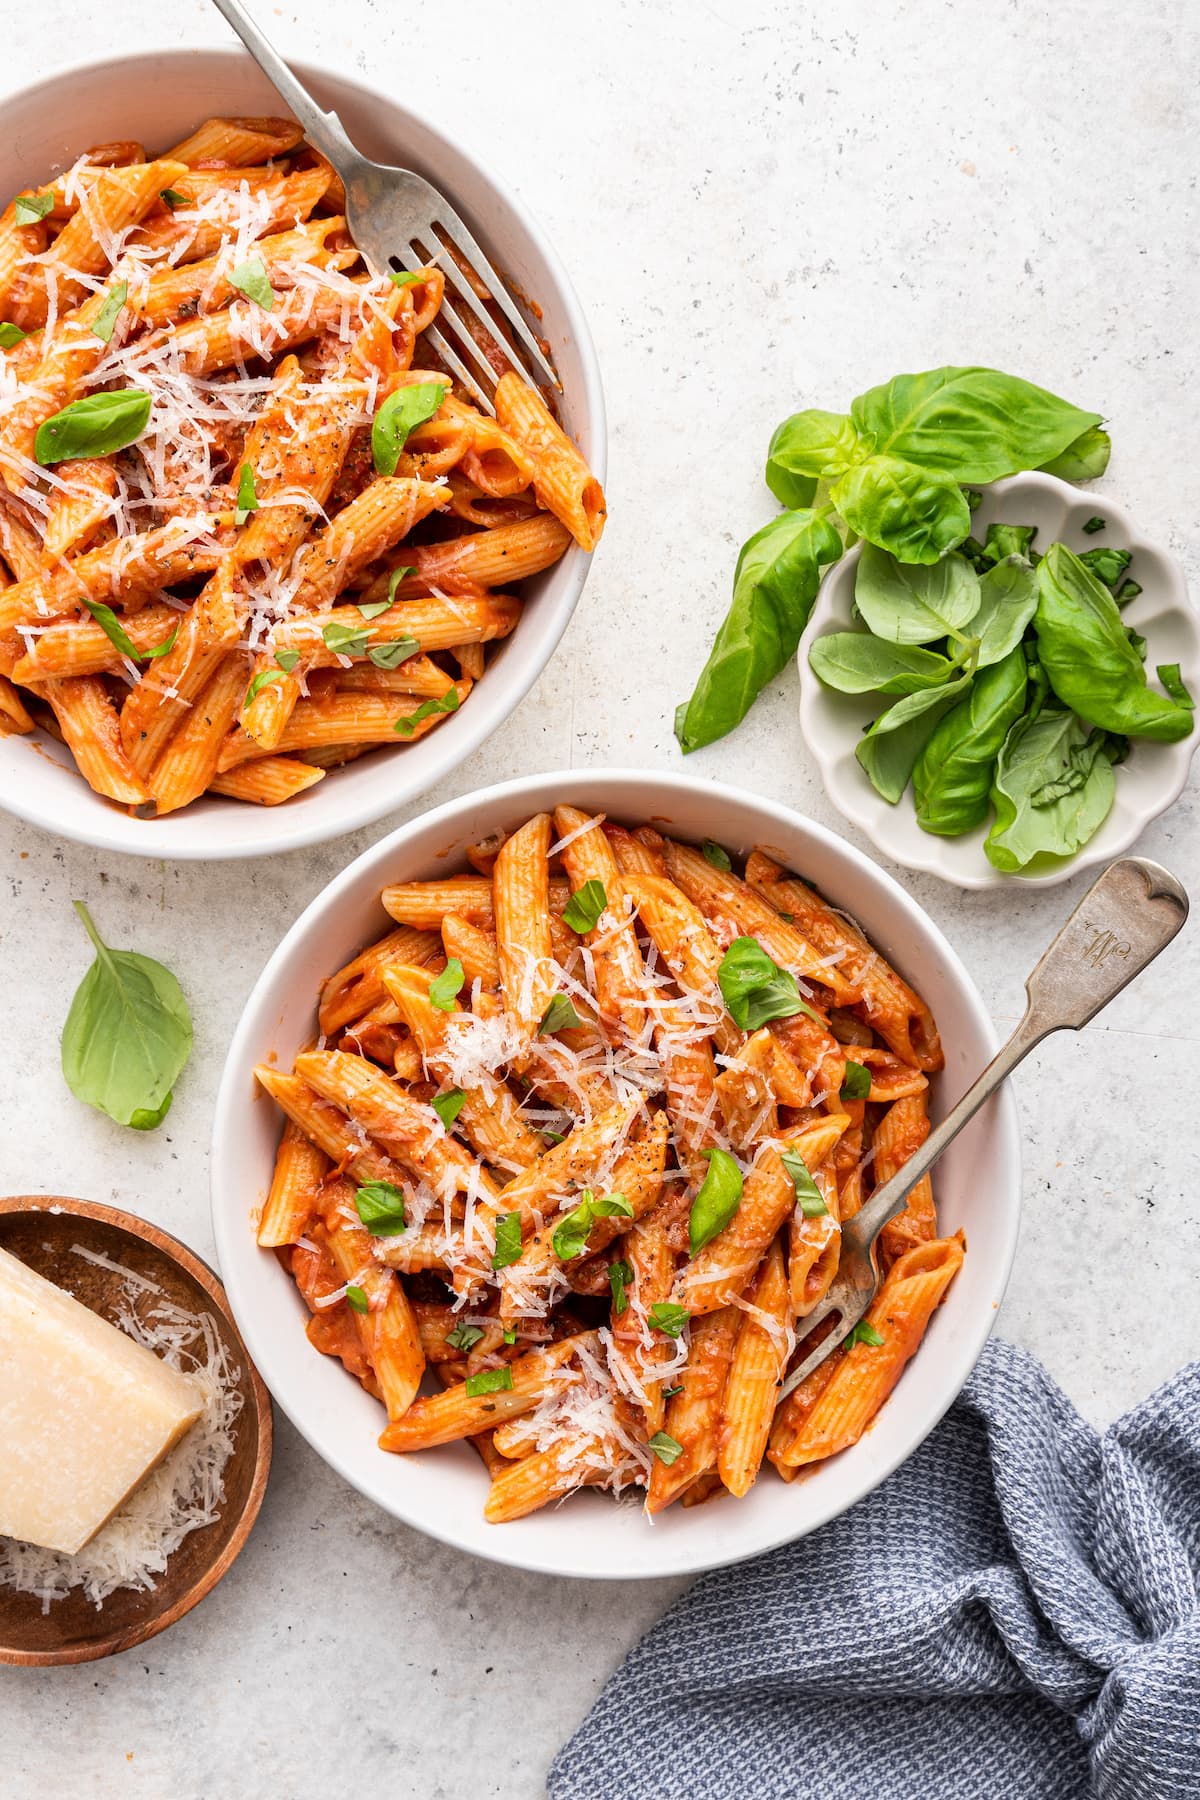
[324, 129]
[1123, 921]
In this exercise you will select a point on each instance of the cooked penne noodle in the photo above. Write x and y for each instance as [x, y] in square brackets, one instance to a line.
[561, 478]
[765, 1341]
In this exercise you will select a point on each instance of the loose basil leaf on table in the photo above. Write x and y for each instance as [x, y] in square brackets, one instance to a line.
[127, 1036]
[1083, 460]
[908, 603]
[806, 447]
[1053, 789]
[774, 585]
[889, 749]
[952, 777]
[916, 513]
[854, 662]
[1088, 659]
[974, 424]
[1008, 597]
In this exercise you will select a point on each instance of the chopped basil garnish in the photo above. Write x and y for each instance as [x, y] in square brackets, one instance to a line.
[755, 989]
[857, 1083]
[381, 1208]
[670, 1393]
[403, 410]
[173, 197]
[464, 1337]
[713, 853]
[510, 1334]
[116, 634]
[556, 1137]
[489, 1381]
[287, 660]
[863, 1333]
[571, 1237]
[404, 277]
[426, 710]
[396, 577]
[560, 1015]
[30, 208]
[666, 1448]
[371, 609]
[448, 1106]
[444, 988]
[719, 1197]
[247, 495]
[508, 1240]
[97, 425]
[808, 1194]
[263, 679]
[1094, 524]
[10, 335]
[584, 907]
[345, 640]
[105, 320]
[391, 655]
[666, 1316]
[357, 1299]
[619, 1273]
[250, 278]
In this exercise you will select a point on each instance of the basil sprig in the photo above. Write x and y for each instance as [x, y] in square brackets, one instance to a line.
[718, 1198]
[404, 409]
[755, 989]
[97, 425]
[127, 1036]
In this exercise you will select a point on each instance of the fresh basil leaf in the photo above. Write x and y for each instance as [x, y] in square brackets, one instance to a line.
[1008, 600]
[112, 627]
[509, 1334]
[380, 1206]
[508, 1240]
[1053, 789]
[447, 1106]
[666, 1448]
[856, 1083]
[670, 1393]
[1089, 661]
[1108, 564]
[619, 1275]
[806, 447]
[345, 640]
[1009, 540]
[371, 609]
[163, 649]
[1128, 590]
[974, 498]
[719, 1197]
[251, 278]
[173, 198]
[445, 988]
[571, 1235]
[862, 1333]
[808, 1195]
[287, 660]
[1091, 526]
[404, 277]
[892, 745]
[774, 586]
[1083, 460]
[404, 409]
[392, 654]
[356, 1299]
[582, 911]
[952, 777]
[247, 495]
[127, 1036]
[103, 325]
[464, 1337]
[10, 335]
[716, 856]
[556, 1137]
[264, 678]
[907, 604]
[396, 577]
[914, 512]
[97, 425]
[427, 709]
[755, 989]
[29, 208]
[1171, 678]
[665, 1316]
[560, 1015]
[855, 662]
[612, 1206]
[489, 1381]
[974, 424]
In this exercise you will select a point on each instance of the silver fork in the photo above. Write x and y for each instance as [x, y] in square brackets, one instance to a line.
[1123, 921]
[397, 219]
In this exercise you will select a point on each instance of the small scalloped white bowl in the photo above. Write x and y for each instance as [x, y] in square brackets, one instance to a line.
[1147, 783]
[160, 96]
[442, 1492]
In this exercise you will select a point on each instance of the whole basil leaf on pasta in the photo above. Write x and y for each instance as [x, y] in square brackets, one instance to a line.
[855, 662]
[403, 410]
[1053, 789]
[508, 1240]
[1083, 460]
[915, 604]
[380, 1206]
[774, 585]
[716, 855]
[952, 777]
[975, 424]
[1088, 659]
[755, 989]
[856, 1082]
[889, 749]
[582, 911]
[718, 1198]
[914, 512]
[447, 1106]
[97, 425]
[806, 447]
[444, 988]
[128, 1035]
[664, 1315]
[560, 1015]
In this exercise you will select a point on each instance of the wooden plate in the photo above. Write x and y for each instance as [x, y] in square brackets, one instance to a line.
[41, 1229]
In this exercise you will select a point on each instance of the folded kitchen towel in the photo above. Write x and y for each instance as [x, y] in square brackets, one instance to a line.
[1013, 1615]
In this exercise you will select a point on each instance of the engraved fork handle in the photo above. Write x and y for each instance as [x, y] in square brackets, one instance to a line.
[324, 129]
[1131, 913]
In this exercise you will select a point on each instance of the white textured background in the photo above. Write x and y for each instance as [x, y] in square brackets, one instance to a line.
[764, 205]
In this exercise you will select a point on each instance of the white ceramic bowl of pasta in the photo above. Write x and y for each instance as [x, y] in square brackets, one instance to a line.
[159, 97]
[442, 1491]
[1151, 779]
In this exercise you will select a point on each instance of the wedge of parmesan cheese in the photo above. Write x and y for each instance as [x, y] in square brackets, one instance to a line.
[85, 1413]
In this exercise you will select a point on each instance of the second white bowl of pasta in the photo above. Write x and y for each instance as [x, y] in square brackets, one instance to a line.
[265, 574]
[564, 1149]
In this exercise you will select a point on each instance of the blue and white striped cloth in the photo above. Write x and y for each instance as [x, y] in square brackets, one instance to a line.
[1012, 1616]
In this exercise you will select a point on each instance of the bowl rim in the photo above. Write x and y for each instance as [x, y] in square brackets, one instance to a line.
[102, 824]
[825, 749]
[168, 1245]
[230, 1216]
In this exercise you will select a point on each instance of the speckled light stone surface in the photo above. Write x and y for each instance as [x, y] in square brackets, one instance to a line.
[763, 205]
